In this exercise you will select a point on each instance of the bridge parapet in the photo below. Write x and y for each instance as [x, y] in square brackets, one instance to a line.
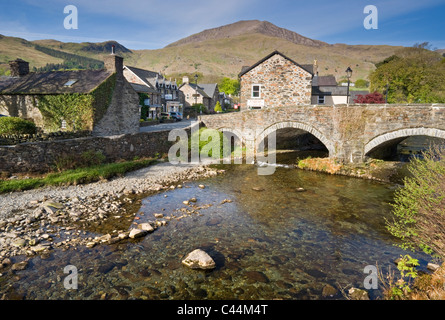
[349, 132]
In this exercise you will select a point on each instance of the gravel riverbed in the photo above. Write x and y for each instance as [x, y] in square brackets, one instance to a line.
[36, 221]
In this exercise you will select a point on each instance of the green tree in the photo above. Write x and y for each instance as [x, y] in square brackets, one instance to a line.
[412, 75]
[229, 86]
[361, 83]
[218, 107]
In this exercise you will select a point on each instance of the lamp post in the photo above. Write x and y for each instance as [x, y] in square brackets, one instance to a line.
[348, 75]
[196, 93]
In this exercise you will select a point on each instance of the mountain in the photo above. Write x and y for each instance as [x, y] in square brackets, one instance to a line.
[214, 53]
[84, 48]
[248, 27]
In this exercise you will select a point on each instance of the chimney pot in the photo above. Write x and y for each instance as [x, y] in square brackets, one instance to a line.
[113, 51]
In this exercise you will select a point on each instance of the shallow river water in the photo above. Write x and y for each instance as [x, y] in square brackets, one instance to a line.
[272, 241]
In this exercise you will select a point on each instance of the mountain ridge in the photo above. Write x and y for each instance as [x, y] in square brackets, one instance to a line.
[248, 27]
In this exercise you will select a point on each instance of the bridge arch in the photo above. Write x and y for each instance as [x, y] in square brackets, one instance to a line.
[297, 125]
[399, 135]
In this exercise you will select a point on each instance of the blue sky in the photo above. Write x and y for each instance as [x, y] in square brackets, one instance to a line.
[152, 24]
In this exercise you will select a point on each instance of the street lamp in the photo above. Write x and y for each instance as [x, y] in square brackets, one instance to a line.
[348, 75]
[196, 93]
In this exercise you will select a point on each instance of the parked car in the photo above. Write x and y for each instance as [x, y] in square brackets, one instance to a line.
[2, 115]
[176, 115]
[164, 115]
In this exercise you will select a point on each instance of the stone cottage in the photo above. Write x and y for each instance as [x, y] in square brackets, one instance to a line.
[275, 81]
[203, 93]
[163, 94]
[113, 107]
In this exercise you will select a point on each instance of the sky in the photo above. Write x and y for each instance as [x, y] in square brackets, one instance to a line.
[153, 24]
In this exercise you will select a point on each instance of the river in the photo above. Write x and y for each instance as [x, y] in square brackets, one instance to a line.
[269, 238]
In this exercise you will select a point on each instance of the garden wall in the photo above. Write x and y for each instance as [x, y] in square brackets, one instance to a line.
[41, 156]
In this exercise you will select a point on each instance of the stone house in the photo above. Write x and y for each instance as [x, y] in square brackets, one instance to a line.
[113, 110]
[203, 93]
[275, 81]
[163, 94]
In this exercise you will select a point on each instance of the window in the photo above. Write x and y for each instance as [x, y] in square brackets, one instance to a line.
[320, 99]
[256, 91]
[70, 83]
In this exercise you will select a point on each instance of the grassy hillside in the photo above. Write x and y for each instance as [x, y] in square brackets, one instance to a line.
[12, 48]
[225, 57]
[214, 58]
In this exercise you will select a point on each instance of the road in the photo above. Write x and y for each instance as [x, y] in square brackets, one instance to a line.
[168, 126]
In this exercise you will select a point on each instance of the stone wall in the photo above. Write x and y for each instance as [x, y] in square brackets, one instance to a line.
[349, 132]
[283, 83]
[122, 115]
[41, 156]
[22, 106]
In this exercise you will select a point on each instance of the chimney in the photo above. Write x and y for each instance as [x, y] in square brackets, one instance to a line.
[114, 63]
[315, 67]
[185, 80]
[19, 68]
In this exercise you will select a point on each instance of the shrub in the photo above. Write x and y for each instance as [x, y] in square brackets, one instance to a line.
[14, 125]
[218, 107]
[419, 208]
[374, 97]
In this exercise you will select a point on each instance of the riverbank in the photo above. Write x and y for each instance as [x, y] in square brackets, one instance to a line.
[378, 170]
[35, 221]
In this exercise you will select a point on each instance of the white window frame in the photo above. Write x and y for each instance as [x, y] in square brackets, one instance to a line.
[259, 91]
[321, 98]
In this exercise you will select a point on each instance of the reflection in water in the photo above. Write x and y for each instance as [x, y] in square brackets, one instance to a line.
[273, 241]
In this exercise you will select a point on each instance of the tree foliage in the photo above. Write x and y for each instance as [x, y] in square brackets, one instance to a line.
[70, 61]
[419, 208]
[412, 75]
[229, 86]
[218, 107]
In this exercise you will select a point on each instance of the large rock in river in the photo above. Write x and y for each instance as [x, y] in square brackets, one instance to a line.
[199, 259]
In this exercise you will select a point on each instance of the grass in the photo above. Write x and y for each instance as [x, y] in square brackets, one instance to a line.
[76, 176]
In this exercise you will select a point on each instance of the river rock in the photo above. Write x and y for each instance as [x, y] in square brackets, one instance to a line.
[137, 233]
[328, 291]
[51, 206]
[255, 277]
[20, 266]
[358, 294]
[432, 266]
[201, 186]
[146, 227]
[19, 242]
[199, 259]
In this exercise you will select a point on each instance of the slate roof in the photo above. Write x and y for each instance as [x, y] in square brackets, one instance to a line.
[204, 89]
[324, 81]
[244, 70]
[53, 82]
[151, 77]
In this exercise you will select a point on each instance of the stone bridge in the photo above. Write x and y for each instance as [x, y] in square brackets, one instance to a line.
[350, 133]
